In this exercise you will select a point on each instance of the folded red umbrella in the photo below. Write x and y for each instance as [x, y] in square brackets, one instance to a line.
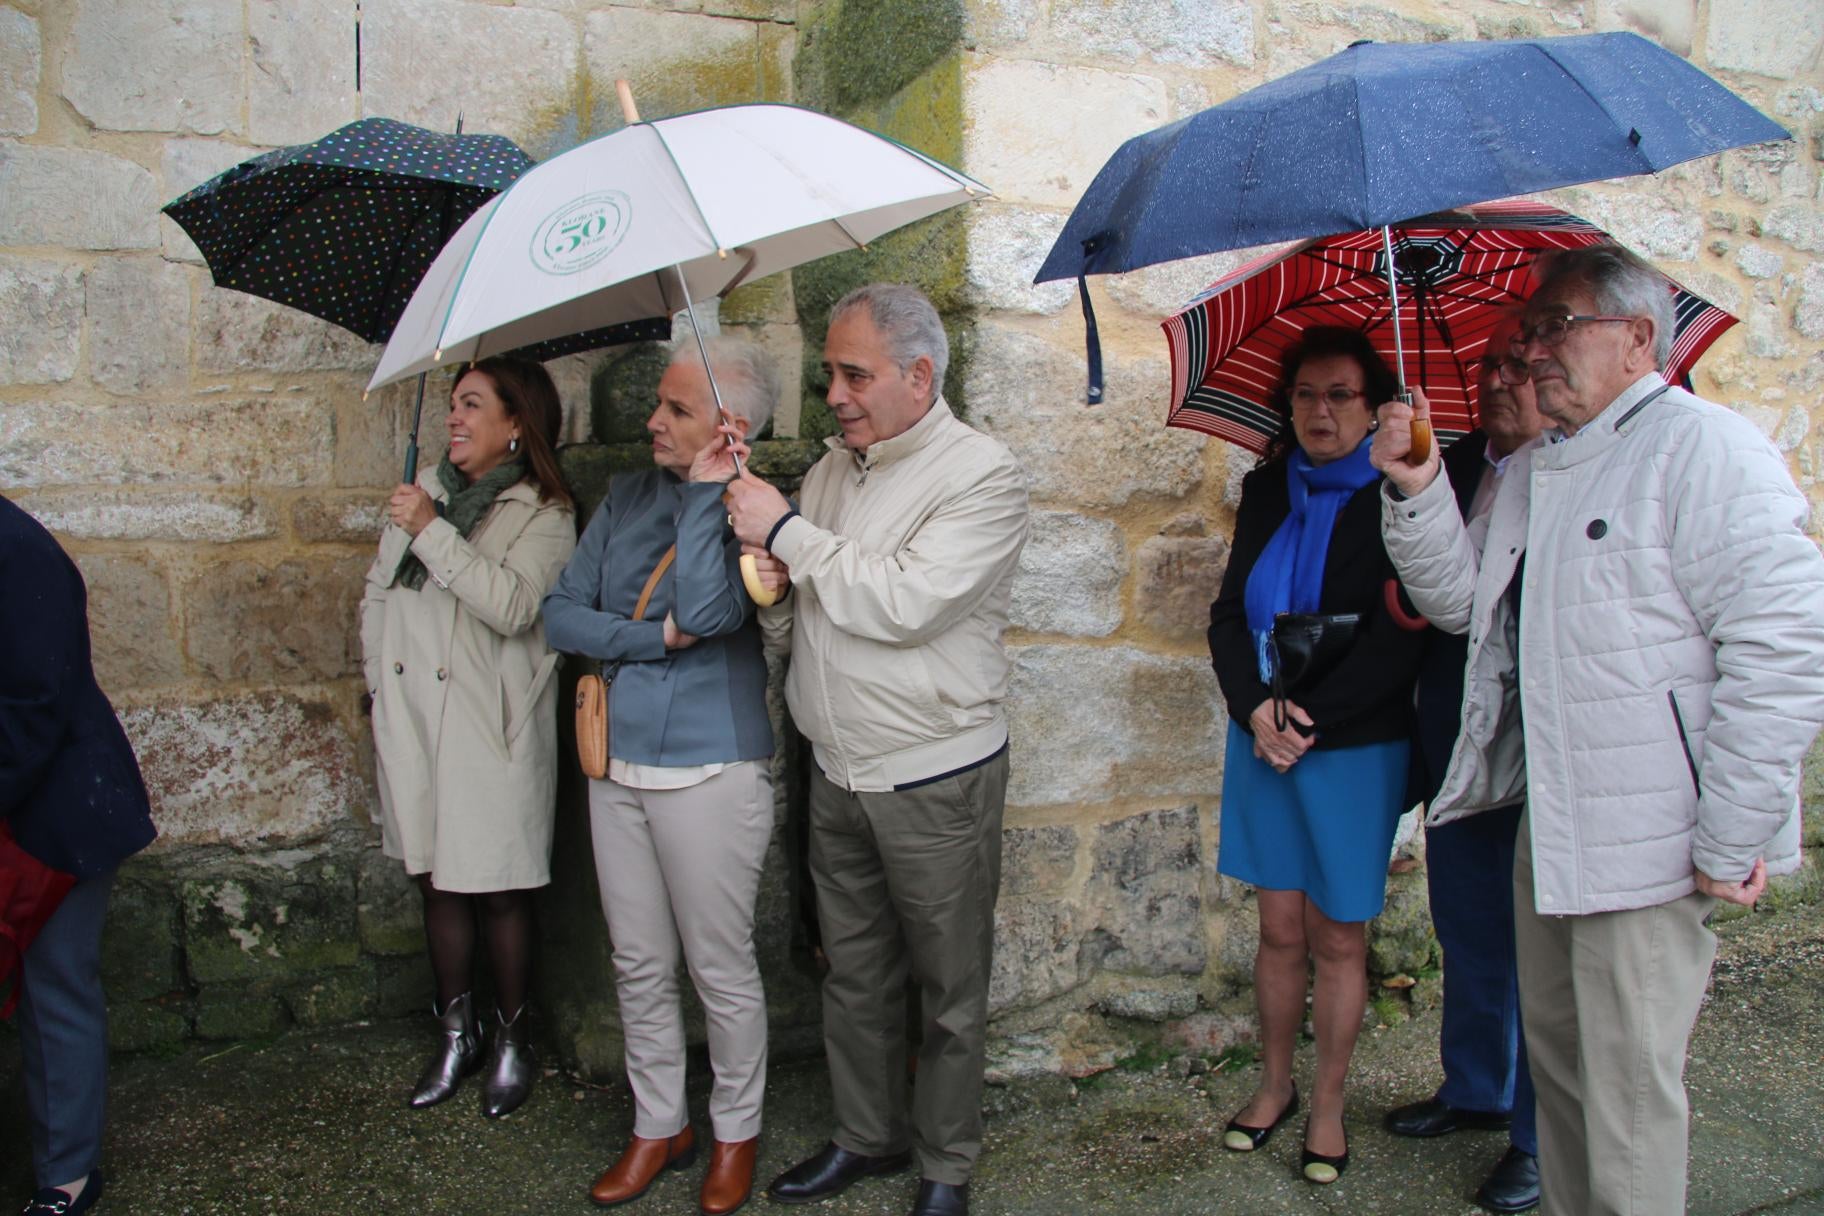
[1458, 273]
[29, 892]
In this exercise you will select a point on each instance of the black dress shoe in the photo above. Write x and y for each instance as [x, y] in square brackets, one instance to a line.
[1434, 1118]
[1240, 1137]
[831, 1172]
[941, 1199]
[1513, 1185]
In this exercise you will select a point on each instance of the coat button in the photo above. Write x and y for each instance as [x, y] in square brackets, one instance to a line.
[398, 669]
[442, 674]
[1597, 529]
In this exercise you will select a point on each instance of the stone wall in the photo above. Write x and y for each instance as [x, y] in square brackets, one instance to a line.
[210, 462]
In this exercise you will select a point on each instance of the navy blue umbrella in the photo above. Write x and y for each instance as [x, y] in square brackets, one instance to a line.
[1383, 132]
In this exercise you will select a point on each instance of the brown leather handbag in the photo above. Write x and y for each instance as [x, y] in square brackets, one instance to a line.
[592, 691]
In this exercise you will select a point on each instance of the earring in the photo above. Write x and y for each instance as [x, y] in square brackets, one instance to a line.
[513, 444]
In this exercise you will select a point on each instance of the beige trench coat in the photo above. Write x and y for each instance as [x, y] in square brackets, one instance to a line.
[465, 714]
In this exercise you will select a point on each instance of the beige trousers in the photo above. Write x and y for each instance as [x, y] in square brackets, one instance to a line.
[1608, 1002]
[679, 871]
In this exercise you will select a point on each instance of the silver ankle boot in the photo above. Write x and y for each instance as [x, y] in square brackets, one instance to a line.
[458, 1053]
[508, 1079]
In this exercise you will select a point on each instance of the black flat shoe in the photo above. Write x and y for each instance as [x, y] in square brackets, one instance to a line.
[49, 1201]
[941, 1199]
[1238, 1137]
[1319, 1168]
[831, 1172]
[1513, 1185]
[1434, 1118]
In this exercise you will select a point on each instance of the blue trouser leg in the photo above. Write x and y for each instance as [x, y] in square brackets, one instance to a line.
[63, 1029]
[1469, 869]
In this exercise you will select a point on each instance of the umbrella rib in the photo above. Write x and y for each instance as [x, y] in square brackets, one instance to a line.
[689, 192]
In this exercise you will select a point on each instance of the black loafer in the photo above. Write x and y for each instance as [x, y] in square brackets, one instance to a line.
[941, 1199]
[831, 1172]
[1239, 1137]
[1434, 1118]
[49, 1201]
[1321, 1169]
[1513, 1185]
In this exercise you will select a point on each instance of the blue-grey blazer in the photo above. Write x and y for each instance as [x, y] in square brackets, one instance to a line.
[706, 703]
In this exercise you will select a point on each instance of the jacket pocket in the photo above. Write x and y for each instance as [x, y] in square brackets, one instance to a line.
[1684, 740]
[512, 725]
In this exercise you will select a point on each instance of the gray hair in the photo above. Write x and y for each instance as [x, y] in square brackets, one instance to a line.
[747, 376]
[1624, 285]
[907, 322]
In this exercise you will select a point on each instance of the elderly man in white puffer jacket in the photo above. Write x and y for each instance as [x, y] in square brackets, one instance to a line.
[1646, 665]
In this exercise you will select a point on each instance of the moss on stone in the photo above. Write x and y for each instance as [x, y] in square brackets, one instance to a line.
[853, 52]
[622, 391]
[239, 1011]
[331, 998]
[153, 1025]
[139, 945]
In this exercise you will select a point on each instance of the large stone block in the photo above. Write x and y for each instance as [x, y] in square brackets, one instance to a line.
[272, 921]
[505, 69]
[242, 770]
[185, 165]
[1797, 224]
[239, 1011]
[139, 946]
[371, 434]
[1092, 723]
[236, 332]
[1145, 889]
[1400, 939]
[21, 62]
[241, 619]
[130, 623]
[303, 80]
[675, 62]
[1156, 292]
[156, 65]
[624, 390]
[388, 910]
[862, 52]
[160, 1024]
[1007, 245]
[45, 350]
[342, 519]
[266, 441]
[334, 998]
[134, 515]
[1014, 110]
[1037, 949]
[1808, 309]
[1196, 33]
[1069, 580]
[1671, 23]
[139, 325]
[75, 198]
[1176, 577]
[1767, 37]
[1649, 224]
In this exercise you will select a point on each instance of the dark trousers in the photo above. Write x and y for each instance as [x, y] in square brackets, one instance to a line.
[906, 884]
[63, 1029]
[1469, 867]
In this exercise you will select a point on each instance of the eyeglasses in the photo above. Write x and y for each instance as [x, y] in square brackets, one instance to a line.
[1335, 398]
[1551, 331]
[1512, 370]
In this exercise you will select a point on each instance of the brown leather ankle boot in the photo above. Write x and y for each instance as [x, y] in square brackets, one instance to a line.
[730, 1179]
[640, 1163]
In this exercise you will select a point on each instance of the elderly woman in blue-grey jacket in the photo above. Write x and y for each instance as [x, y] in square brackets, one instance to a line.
[682, 821]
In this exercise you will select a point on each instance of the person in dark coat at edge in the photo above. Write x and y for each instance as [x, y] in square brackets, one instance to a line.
[72, 808]
[1469, 864]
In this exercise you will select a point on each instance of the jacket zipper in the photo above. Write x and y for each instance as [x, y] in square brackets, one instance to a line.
[1684, 741]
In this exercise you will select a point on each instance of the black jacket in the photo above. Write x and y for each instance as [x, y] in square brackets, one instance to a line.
[70, 788]
[1365, 698]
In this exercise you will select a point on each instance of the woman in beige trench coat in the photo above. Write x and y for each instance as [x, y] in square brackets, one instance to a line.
[465, 716]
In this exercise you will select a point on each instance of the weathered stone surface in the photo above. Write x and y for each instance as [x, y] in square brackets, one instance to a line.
[1808, 310]
[45, 349]
[1767, 37]
[266, 441]
[1671, 23]
[21, 62]
[156, 65]
[1145, 892]
[239, 1011]
[246, 769]
[331, 998]
[343, 519]
[402, 985]
[236, 332]
[513, 74]
[1037, 951]
[1006, 247]
[130, 622]
[1400, 939]
[75, 198]
[1149, 1003]
[241, 619]
[302, 83]
[623, 392]
[1095, 723]
[139, 325]
[863, 52]
[270, 919]
[1025, 390]
[675, 62]
[1645, 223]
[187, 164]
[1001, 24]
[388, 910]
[371, 434]
[1070, 573]
[133, 515]
[1015, 108]
[1209, 1033]
[1038, 859]
[1081, 1045]
[1156, 292]
[146, 1025]
[1798, 225]
[139, 946]
[1176, 577]
[1197, 33]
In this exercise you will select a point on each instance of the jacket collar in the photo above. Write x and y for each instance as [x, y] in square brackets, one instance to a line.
[1600, 433]
[917, 436]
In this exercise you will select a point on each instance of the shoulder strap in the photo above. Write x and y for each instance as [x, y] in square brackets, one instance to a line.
[652, 580]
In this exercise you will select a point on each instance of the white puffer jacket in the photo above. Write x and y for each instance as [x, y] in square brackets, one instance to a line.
[1671, 649]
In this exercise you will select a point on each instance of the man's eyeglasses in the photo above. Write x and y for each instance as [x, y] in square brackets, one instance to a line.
[1550, 331]
[1335, 398]
[1512, 370]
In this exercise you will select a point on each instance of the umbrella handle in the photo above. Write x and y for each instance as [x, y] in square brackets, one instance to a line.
[757, 591]
[1420, 450]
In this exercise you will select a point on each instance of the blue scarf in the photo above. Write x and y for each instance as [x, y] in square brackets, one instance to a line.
[1289, 574]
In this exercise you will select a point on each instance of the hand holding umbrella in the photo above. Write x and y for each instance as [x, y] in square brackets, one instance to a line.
[1402, 447]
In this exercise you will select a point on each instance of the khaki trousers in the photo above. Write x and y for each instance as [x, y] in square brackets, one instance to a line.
[906, 884]
[1608, 1002]
[679, 871]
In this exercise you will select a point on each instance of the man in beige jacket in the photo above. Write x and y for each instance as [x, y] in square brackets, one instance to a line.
[902, 560]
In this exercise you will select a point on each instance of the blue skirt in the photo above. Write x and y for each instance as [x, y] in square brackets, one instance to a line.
[1325, 827]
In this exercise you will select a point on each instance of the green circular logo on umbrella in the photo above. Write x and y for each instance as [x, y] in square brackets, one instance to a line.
[582, 232]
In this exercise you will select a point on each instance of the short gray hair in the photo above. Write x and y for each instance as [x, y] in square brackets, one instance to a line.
[908, 323]
[747, 376]
[1624, 285]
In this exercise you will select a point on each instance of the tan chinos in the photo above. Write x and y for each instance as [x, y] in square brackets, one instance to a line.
[906, 884]
[1608, 1002]
[679, 871]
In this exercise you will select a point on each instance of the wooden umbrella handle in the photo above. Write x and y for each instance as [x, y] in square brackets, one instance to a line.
[1420, 451]
[624, 91]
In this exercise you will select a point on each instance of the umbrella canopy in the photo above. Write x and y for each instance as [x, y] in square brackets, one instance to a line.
[1458, 274]
[639, 223]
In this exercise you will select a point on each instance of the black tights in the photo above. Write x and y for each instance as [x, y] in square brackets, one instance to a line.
[449, 928]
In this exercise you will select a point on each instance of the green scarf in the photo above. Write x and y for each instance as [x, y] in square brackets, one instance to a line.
[467, 504]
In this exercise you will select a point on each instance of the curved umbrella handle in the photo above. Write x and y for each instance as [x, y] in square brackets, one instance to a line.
[757, 591]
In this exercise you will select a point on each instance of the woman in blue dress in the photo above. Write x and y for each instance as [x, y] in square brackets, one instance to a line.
[1314, 781]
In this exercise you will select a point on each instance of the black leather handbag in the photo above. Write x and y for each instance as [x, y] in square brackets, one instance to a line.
[1306, 645]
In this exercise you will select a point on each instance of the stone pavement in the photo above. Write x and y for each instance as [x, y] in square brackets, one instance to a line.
[314, 1122]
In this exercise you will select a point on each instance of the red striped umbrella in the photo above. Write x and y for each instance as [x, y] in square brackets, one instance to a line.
[1457, 274]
